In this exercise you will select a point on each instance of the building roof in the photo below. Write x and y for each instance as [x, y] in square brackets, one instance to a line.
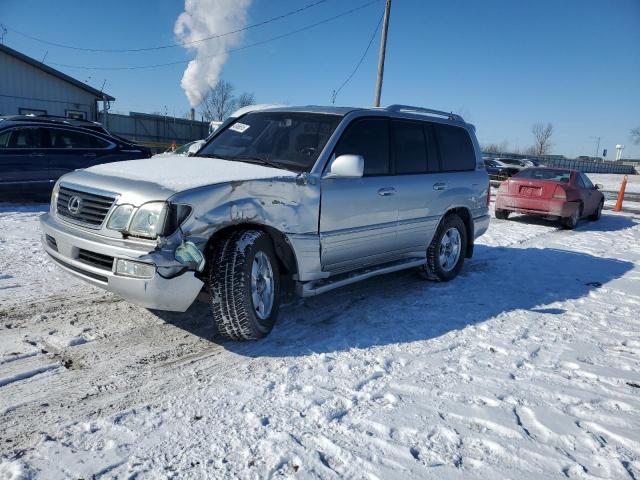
[52, 71]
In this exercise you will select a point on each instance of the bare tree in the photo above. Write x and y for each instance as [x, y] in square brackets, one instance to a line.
[542, 134]
[219, 102]
[495, 148]
[635, 135]
[245, 99]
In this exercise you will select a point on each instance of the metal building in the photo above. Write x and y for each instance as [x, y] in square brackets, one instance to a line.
[29, 86]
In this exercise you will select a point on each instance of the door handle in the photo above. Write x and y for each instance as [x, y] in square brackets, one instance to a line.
[385, 192]
[89, 155]
[439, 186]
[35, 154]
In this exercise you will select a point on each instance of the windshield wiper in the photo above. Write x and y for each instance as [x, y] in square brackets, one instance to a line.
[248, 159]
[256, 159]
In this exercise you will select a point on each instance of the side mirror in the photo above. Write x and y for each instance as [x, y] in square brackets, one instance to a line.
[598, 186]
[346, 166]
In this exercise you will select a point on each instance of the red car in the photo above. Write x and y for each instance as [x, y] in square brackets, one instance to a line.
[560, 194]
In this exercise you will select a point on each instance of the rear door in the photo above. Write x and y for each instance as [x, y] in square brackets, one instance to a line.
[70, 150]
[416, 166]
[359, 216]
[23, 166]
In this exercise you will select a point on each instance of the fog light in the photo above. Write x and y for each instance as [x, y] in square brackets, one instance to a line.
[189, 255]
[129, 268]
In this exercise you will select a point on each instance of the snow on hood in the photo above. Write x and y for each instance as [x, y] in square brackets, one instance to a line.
[178, 173]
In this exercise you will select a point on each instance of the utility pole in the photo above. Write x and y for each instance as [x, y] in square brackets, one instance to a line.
[383, 50]
[597, 148]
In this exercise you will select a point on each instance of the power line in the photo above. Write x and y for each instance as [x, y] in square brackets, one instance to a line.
[169, 45]
[245, 47]
[364, 54]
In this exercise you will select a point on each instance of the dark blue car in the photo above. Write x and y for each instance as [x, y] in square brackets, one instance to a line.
[36, 151]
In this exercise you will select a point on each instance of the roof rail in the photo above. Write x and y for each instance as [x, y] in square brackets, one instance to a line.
[428, 111]
[49, 119]
[64, 119]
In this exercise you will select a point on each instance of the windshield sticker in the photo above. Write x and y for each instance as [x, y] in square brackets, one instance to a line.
[239, 127]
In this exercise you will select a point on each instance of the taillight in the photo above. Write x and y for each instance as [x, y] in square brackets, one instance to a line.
[489, 193]
[560, 193]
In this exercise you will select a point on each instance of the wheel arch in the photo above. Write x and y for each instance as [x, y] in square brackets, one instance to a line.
[465, 215]
[283, 249]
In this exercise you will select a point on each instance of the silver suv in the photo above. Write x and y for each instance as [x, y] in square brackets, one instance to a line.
[283, 200]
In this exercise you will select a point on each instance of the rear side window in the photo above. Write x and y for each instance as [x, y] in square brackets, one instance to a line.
[368, 137]
[586, 181]
[70, 139]
[409, 147]
[456, 150]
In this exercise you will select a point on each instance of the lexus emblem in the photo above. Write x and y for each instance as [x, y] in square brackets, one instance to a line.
[75, 204]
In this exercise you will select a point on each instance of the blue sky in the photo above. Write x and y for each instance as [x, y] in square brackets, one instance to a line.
[503, 64]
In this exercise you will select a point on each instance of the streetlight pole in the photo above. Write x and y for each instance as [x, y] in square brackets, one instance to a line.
[383, 50]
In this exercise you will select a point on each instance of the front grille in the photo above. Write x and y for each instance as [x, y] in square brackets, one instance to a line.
[99, 260]
[86, 208]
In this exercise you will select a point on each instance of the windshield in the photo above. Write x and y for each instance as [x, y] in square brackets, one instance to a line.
[286, 140]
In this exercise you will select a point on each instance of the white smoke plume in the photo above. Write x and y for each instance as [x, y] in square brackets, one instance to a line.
[201, 19]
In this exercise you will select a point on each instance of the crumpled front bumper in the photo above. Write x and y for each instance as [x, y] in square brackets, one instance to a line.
[72, 249]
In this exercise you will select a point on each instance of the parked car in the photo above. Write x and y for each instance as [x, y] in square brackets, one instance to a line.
[498, 170]
[531, 162]
[301, 200]
[36, 151]
[560, 194]
[514, 163]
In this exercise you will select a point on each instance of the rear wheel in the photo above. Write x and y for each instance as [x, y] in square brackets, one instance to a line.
[445, 255]
[572, 221]
[502, 214]
[598, 213]
[244, 281]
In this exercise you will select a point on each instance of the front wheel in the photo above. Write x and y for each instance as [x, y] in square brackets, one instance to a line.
[244, 282]
[445, 255]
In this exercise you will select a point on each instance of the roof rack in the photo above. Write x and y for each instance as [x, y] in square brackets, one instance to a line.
[427, 111]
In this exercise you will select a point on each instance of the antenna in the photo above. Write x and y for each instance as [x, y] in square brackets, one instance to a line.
[3, 32]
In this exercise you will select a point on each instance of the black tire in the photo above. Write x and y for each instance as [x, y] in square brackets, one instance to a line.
[572, 222]
[502, 214]
[230, 285]
[433, 269]
[598, 213]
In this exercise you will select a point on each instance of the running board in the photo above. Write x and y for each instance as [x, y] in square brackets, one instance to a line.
[316, 287]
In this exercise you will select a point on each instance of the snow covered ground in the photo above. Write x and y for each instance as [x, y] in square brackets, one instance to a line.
[526, 366]
[611, 182]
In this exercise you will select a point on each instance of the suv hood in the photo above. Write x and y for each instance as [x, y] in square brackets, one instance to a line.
[177, 173]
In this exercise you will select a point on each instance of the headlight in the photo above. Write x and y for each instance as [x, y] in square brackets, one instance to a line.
[149, 220]
[54, 196]
[119, 219]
